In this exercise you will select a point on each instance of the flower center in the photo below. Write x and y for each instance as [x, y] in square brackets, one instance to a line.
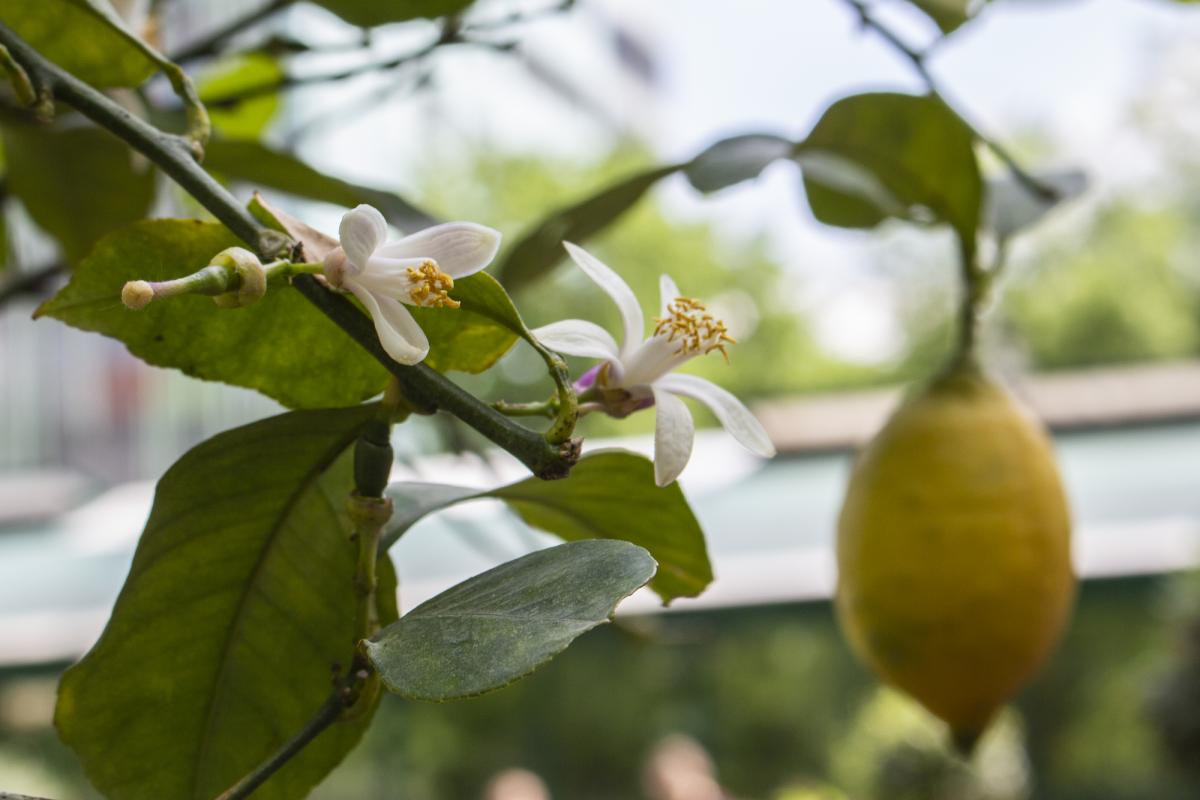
[430, 286]
[694, 329]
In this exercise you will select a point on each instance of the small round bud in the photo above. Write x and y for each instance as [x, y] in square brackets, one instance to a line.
[254, 276]
[137, 294]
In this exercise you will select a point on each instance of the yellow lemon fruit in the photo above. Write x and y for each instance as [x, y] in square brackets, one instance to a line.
[954, 555]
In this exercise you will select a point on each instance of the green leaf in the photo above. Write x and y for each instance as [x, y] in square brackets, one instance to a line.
[238, 605]
[368, 13]
[258, 164]
[948, 14]
[539, 250]
[474, 336]
[77, 183]
[84, 37]
[248, 118]
[896, 155]
[736, 159]
[497, 627]
[609, 494]
[282, 346]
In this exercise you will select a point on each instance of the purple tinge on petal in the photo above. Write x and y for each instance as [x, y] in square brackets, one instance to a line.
[588, 379]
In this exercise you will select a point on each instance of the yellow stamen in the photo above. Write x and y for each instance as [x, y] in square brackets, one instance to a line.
[696, 330]
[431, 287]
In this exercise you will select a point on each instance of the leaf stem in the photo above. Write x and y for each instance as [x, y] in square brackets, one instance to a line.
[918, 59]
[427, 388]
[345, 694]
[976, 288]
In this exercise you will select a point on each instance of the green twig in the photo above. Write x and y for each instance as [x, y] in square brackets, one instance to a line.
[919, 62]
[345, 694]
[427, 388]
[212, 43]
[29, 282]
[175, 155]
[449, 36]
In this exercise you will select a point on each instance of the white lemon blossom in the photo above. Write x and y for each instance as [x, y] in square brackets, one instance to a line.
[418, 270]
[637, 374]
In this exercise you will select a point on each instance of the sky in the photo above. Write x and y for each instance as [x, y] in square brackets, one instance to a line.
[1066, 71]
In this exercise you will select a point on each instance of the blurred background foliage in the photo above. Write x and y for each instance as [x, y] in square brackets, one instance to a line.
[780, 705]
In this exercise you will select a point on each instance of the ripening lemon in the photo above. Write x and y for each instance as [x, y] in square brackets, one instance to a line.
[954, 556]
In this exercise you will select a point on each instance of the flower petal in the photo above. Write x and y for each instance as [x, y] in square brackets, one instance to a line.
[399, 333]
[361, 232]
[388, 277]
[459, 248]
[729, 411]
[674, 433]
[668, 291]
[577, 337]
[617, 289]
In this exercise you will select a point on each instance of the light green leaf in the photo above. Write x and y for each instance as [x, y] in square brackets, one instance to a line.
[368, 13]
[918, 150]
[497, 627]
[948, 14]
[609, 494]
[257, 164]
[248, 118]
[541, 249]
[238, 605]
[84, 37]
[77, 183]
[736, 159]
[282, 346]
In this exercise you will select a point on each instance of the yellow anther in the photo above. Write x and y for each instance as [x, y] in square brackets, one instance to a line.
[696, 330]
[431, 287]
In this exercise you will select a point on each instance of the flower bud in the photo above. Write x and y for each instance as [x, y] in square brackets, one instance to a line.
[137, 294]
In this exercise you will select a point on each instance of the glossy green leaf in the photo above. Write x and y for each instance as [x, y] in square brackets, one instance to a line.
[368, 13]
[282, 346]
[497, 627]
[257, 164]
[736, 159]
[76, 183]
[83, 37]
[609, 494]
[248, 118]
[539, 250]
[238, 605]
[909, 150]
